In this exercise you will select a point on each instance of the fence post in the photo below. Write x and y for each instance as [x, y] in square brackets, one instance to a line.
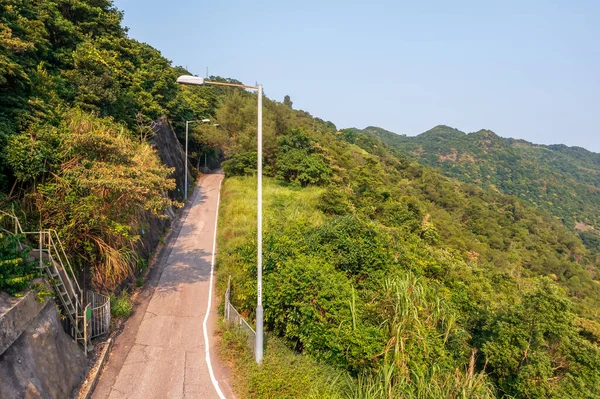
[40, 246]
[227, 293]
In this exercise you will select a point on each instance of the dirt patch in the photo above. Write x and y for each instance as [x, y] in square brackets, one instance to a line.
[583, 227]
[452, 156]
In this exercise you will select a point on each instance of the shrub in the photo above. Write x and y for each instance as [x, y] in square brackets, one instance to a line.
[121, 306]
[308, 303]
[300, 167]
[102, 165]
[334, 202]
[354, 245]
[241, 164]
[15, 271]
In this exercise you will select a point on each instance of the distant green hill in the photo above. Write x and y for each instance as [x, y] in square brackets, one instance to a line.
[565, 181]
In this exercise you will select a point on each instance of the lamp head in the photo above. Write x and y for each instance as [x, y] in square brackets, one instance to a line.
[190, 80]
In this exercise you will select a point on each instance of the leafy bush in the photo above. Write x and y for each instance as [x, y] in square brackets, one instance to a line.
[121, 306]
[101, 165]
[535, 351]
[240, 164]
[300, 167]
[354, 245]
[308, 303]
[334, 202]
[16, 271]
[297, 161]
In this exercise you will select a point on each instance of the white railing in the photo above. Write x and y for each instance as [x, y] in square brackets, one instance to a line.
[234, 317]
[100, 305]
[90, 316]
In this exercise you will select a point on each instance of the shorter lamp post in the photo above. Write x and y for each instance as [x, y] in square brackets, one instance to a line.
[187, 123]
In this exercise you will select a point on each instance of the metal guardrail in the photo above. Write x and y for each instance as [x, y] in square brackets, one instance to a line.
[234, 317]
[86, 318]
[100, 320]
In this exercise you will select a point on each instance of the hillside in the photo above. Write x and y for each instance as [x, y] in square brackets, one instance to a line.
[565, 181]
[77, 99]
[353, 227]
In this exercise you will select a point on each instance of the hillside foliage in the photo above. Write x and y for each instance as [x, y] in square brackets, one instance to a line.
[498, 289]
[564, 181]
[77, 96]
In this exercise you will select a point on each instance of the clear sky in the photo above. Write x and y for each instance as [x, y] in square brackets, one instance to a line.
[526, 69]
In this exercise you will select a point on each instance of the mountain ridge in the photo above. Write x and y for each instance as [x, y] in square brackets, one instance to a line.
[563, 180]
[554, 146]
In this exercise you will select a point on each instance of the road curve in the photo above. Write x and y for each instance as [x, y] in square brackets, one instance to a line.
[163, 354]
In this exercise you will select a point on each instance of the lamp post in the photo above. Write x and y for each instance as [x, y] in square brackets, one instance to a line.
[194, 80]
[187, 123]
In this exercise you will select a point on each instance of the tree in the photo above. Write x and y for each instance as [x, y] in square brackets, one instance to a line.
[288, 101]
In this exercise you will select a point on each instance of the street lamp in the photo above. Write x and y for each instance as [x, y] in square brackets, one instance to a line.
[185, 194]
[197, 81]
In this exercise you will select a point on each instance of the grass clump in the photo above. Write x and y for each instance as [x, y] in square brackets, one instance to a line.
[283, 373]
[121, 306]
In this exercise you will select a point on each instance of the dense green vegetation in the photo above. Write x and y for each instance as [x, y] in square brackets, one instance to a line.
[15, 270]
[415, 284]
[76, 100]
[565, 181]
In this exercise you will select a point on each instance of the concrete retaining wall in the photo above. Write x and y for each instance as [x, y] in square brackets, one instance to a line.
[37, 358]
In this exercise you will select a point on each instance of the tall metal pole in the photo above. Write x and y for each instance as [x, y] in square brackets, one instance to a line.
[259, 306]
[186, 160]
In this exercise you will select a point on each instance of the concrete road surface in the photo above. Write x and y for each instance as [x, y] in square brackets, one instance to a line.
[162, 353]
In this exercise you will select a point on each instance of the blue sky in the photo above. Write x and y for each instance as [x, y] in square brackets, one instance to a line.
[524, 69]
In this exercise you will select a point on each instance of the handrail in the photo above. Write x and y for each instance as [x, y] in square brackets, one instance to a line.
[18, 229]
[60, 254]
[49, 242]
[78, 294]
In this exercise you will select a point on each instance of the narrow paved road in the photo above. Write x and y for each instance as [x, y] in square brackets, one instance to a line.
[162, 354]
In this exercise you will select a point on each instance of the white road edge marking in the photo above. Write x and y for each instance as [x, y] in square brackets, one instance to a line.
[204, 328]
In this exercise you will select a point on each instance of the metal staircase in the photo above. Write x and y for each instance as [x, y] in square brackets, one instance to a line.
[55, 263]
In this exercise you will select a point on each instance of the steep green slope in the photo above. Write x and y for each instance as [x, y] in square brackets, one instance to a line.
[481, 271]
[565, 181]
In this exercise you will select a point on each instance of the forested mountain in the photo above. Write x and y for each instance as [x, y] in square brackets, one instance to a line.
[409, 282]
[565, 181]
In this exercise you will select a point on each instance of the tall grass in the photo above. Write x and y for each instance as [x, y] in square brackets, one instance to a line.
[416, 363]
[283, 373]
[237, 221]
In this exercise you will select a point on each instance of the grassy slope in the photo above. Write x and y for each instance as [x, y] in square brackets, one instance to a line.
[289, 206]
[237, 223]
[471, 263]
[284, 374]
